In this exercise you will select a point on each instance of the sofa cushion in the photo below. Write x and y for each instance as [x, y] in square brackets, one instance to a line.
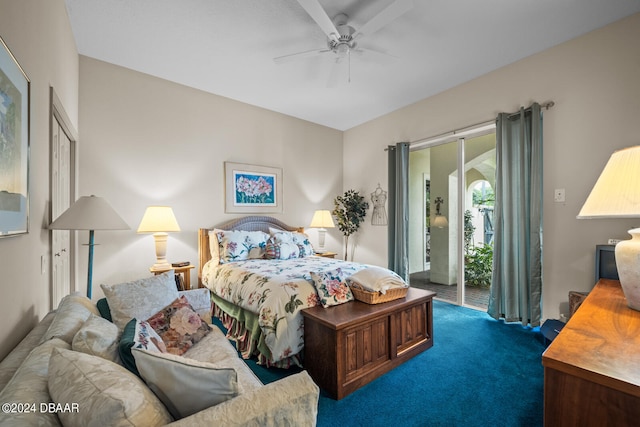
[185, 386]
[13, 360]
[29, 385]
[332, 288]
[108, 394]
[137, 334]
[215, 348]
[200, 300]
[179, 326]
[73, 310]
[140, 298]
[98, 337]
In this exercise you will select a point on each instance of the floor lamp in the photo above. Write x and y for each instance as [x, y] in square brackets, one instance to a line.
[89, 213]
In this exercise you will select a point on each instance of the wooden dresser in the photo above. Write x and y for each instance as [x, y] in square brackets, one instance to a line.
[592, 368]
[349, 345]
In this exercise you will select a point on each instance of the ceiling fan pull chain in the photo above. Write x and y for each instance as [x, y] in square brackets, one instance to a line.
[349, 65]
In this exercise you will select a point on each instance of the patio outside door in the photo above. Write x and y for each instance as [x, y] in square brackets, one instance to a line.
[451, 224]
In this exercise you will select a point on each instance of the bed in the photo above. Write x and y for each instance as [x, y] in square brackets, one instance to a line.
[259, 300]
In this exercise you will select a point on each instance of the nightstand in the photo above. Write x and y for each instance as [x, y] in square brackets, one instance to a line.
[327, 254]
[185, 271]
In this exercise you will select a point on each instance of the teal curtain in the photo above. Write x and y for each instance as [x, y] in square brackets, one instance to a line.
[516, 287]
[398, 241]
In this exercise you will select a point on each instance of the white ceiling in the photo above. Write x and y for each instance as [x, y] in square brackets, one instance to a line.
[227, 47]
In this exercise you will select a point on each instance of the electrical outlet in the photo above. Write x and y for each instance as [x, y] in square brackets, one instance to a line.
[558, 195]
[613, 241]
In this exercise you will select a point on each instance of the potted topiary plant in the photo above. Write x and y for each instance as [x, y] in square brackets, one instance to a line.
[349, 210]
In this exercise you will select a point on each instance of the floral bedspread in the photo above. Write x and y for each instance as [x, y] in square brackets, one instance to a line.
[275, 290]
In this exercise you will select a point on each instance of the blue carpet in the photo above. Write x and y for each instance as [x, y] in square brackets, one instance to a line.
[479, 372]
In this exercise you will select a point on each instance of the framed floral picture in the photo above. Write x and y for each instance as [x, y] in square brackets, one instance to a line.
[252, 188]
[14, 145]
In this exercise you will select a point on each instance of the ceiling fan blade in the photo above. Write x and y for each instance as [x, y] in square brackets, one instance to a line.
[388, 14]
[373, 53]
[315, 11]
[299, 55]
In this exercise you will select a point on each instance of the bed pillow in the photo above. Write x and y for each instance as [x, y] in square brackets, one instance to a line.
[185, 386]
[105, 393]
[332, 287]
[299, 239]
[141, 298]
[214, 245]
[179, 326]
[241, 245]
[282, 250]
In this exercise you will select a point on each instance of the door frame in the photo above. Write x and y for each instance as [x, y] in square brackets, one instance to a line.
[459, 137]
[59, 116]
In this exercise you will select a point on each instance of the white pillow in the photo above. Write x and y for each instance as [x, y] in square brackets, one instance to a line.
[106, 394]
[72, 312]
[185, 386]
[214, 246]
[200, 300]
[98, 337]
[140, 298]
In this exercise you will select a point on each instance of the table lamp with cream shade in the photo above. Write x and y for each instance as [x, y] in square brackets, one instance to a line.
[322, 220]
[616, 194]
[159, 220]
[89, 213]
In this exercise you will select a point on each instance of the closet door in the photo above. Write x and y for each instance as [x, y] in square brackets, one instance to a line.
[62, 140]
[60, 201]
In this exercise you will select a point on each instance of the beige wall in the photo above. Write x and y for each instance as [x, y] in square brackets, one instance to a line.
[147, 141]
[594, 82]
[39, 35]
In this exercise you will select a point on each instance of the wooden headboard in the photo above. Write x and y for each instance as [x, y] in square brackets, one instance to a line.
[246, 223]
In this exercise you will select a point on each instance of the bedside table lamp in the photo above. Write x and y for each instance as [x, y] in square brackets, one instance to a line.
[159, 220]
[616, 194]
[321, 220]
[89, 213]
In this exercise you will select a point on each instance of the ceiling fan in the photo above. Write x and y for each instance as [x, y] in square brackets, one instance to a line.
[342, 38]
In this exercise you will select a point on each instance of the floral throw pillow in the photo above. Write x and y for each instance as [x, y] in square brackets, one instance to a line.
[241, 245]
[299, 239]
[282, 250]
[332, 288]
[179, 326]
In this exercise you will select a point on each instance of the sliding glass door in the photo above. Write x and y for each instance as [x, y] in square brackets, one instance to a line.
[451, 217]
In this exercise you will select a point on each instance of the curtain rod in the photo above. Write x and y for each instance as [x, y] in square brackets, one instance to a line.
[468, 129]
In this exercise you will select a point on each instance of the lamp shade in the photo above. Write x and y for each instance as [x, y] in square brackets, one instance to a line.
[158, 219]
[89, 213]
[616, 194]
[440, 221]
[322, 219]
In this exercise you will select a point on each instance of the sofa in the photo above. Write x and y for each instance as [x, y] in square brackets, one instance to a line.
[75, 367]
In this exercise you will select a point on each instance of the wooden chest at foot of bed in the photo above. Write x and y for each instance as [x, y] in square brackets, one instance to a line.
[350, 345]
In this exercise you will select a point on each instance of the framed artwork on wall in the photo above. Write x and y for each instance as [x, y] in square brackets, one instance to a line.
[14, 145]
[252, 188]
